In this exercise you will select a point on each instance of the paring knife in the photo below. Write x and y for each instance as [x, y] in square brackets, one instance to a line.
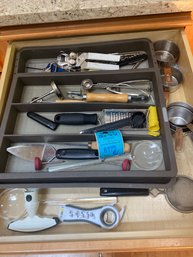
[124, 192]
[29, 152]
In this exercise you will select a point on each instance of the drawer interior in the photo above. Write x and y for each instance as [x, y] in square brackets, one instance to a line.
[38, 58]
[18, 127]
[145, 217]
[29, 86]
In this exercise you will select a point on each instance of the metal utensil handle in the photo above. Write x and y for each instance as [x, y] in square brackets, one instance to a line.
[72, 166]
[42, 96]
[85, 200]
[63, 167]
[130, 84]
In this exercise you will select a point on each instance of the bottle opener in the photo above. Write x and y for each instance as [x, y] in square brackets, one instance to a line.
[107, 216]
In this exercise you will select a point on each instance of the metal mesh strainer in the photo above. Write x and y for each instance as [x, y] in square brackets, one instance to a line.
[180, 194]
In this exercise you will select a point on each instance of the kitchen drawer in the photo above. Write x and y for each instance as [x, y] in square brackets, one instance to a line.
[145, 217]
[17, 128]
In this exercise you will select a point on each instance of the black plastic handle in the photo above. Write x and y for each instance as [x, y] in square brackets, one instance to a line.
[138, 98]
[108, 126]
[75, 118]
[124, 192]
[133, 59]
[42, 120]
[76, 154]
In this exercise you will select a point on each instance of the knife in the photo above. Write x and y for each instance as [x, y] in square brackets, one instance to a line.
[137, 120]
[29, 152]
[124, 192]
[108, 126]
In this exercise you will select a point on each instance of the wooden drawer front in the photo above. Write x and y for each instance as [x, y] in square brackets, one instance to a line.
[145, 217]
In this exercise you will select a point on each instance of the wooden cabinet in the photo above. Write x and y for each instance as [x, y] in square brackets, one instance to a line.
[148, 224]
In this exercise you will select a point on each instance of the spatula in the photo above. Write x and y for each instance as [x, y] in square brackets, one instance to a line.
[47, 152]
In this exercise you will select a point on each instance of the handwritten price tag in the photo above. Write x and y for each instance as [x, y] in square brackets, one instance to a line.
[110, 143]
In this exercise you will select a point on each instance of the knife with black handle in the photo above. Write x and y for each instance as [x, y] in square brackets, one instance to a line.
[124, 192]
[76, 118]
[108, 126]
[77, 154]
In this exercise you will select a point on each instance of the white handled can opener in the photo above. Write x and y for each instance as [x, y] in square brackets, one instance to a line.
[107, 217]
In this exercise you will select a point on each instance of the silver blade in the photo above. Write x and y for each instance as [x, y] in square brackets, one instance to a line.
[27, 152]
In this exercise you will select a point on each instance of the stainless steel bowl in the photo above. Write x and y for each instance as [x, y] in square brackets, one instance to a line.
[166, 51]
[180, 113]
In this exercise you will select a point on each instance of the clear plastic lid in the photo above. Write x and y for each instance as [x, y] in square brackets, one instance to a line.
[12, 203]
[147, 155]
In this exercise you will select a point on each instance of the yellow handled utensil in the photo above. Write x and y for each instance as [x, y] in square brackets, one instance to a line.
[153, 122]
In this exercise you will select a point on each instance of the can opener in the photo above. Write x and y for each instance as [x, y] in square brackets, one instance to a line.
[99, 61]
[107, 217]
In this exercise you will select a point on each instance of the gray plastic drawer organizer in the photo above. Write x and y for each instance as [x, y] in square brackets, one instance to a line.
[17, 128]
